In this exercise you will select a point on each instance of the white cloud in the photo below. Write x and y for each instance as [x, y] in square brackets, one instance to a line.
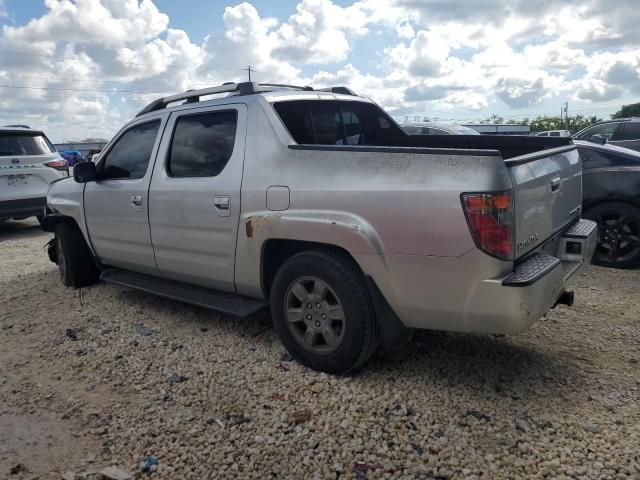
[106, 22]
[409, 55]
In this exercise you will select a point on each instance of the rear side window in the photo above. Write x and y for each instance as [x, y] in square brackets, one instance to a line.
[19, 143]
[333, 122]
[631, 131]
[202, 144]
[554, 134]
[130, 155]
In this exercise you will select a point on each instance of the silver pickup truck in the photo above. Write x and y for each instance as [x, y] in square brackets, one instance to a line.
[316, 203]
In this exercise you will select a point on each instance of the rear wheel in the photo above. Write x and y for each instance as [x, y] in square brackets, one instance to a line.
[75, 263]
[321, 311]
[618, 234]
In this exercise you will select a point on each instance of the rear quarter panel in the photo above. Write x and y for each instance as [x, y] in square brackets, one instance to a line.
[366, 202]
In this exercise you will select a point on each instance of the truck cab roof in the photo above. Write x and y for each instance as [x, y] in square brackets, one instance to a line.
[246, 92]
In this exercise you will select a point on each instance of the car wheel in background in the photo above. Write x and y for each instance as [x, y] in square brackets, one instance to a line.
[75, 263]
[618, 234]
[321, 311]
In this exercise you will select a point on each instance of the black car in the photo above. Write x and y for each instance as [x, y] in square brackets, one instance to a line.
[622, 132]
[611, 197]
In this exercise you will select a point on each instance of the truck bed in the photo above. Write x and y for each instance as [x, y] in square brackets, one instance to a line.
[509, 146]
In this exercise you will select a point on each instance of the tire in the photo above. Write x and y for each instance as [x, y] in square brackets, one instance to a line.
[75, 263]
[333, 287]
[618, 234]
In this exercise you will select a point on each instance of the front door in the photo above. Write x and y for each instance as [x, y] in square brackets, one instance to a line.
[194, 201]
[116, 206]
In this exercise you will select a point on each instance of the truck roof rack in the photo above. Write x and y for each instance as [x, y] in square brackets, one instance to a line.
[17, 126]
[241, 88]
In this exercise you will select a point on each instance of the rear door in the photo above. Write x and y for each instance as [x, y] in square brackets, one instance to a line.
[194, 198]
[547, 194]
[116, 206]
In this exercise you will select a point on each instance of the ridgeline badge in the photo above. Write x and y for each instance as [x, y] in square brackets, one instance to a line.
[528, 242]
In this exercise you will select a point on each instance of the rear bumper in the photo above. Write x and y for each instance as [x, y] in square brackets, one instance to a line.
[22, 208]
[537, 283]
[476, 293]
[512, 304]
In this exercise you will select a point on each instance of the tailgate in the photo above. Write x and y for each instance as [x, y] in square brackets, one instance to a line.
[548, 195]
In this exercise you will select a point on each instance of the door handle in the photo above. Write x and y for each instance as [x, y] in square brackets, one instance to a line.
[222, 204]
[136, 200]
[555, 184]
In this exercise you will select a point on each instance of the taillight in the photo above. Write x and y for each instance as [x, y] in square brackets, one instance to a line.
[490, 217]
[61, 164]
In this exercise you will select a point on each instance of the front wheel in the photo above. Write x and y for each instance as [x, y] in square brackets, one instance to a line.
[75, 263]
[618, 234]
[321, 311]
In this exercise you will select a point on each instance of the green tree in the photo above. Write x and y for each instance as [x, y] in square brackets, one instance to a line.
[632, 110]
[496, 119]
[542, 123]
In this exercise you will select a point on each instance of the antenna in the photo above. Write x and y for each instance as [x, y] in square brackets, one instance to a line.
[248, 70]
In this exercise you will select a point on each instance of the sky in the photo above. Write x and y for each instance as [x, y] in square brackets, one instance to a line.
[83, 68]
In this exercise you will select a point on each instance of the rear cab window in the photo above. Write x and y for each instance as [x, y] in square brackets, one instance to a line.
[337, 122]
[14, 144]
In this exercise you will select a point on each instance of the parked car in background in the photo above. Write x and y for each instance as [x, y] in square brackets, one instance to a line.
[28, 164]
[554, 133]
[318, 204]
[72, 156]
[431, 128]
[611, 197]
[622, 132]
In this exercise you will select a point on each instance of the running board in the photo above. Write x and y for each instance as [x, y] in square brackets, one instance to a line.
[222, 302]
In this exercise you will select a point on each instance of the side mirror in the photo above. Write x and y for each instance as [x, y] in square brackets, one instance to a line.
[603, 141]
[84, 172]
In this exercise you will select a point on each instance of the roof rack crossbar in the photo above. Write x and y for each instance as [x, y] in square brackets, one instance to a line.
[191, 96]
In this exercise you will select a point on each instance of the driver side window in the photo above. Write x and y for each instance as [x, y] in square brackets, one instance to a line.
[600, 132]
[129, 157]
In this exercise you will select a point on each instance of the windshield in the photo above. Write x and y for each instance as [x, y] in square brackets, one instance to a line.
[466, 131]
[21, 143]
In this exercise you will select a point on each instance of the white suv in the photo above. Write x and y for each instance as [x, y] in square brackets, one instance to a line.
[28, 164]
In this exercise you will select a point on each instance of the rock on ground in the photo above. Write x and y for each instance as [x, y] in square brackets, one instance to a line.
[211, 397]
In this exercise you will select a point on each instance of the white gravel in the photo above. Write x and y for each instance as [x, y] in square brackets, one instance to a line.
[212, 397]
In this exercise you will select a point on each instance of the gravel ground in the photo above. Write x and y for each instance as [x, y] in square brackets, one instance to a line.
[104, 376]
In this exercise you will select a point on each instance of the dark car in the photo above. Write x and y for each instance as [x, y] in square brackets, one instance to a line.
[72, 156]
[611, 197]
[623, 132]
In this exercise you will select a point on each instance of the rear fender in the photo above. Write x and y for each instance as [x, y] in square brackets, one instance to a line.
[347, 231]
